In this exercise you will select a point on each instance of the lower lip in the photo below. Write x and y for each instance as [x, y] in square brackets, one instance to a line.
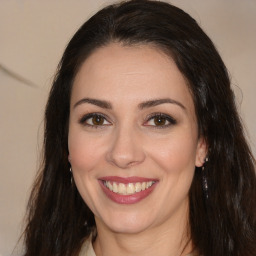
[127, 199]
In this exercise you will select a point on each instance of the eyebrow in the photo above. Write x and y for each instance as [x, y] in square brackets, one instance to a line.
[99, 103]
[152, 103]
[143, 105]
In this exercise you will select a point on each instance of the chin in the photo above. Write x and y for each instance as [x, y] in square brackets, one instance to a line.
[135, 228]
[129, 224]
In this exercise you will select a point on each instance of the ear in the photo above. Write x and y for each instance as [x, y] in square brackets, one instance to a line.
[201, 152]
[69, 159]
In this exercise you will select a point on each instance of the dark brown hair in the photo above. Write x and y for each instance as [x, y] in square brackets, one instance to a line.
[221, 222]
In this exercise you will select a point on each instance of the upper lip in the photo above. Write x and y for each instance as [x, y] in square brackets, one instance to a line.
[126, 180]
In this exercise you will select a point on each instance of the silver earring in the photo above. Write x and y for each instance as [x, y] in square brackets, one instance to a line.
[204, 179]
[71, 179]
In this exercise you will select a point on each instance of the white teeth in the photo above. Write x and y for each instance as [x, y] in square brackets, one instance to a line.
[109, 185]
[149, 184]
[115, 188]
[138, 187]
[128, 189]
[121, 189]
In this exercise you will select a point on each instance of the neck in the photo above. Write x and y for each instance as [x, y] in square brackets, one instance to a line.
[170, 239]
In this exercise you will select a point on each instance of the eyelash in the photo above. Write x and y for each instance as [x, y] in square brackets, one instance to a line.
[152, 116]
[165, 117]
[91, 115]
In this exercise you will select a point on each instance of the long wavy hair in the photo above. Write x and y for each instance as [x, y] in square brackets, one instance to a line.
[222, 219]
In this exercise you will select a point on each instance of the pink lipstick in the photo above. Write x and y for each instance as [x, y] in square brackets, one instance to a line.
[128, 190]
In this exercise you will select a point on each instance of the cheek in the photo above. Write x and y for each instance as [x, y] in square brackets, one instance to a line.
[84, 151]
[176, 153]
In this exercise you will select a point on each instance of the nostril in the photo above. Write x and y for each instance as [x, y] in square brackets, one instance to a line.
[125, 158]
[126, 149]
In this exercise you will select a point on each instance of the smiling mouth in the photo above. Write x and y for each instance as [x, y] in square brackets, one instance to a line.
[129, 188]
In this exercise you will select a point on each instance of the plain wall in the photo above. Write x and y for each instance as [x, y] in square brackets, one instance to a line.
[33, 35]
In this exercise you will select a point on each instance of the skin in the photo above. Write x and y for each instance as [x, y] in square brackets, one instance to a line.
[130, 143]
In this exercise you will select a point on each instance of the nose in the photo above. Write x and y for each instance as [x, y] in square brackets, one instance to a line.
[126, 149]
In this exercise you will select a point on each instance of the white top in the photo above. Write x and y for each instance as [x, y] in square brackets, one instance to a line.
[87, 249]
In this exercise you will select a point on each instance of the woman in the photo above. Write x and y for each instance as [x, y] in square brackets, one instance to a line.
[144, 152]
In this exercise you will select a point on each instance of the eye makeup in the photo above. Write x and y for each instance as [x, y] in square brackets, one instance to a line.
[157, 120]
[160, 120]
[94, 120]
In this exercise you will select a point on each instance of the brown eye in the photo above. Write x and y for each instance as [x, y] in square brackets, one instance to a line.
[94, 120]
[98, 120]
[160, 121]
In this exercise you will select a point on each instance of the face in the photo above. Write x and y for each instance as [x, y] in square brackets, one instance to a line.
[133, 138]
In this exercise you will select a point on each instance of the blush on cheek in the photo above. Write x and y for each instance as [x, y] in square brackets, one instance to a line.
[173, 156]
[84, 156]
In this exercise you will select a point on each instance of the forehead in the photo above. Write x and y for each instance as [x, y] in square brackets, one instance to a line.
[130, 73]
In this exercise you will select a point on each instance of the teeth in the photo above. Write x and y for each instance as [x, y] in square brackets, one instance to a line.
[109, 185]
[149, 184]
[115, 188]
[138, 187]
[122, 189]
[128, 189]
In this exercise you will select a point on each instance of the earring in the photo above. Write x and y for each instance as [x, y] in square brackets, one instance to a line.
[204, 179]
[71, 179]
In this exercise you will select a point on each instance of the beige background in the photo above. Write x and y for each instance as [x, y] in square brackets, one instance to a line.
[33, 35]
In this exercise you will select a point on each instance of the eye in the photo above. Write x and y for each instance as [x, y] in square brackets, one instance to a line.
[94, 119]
[160, 120]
